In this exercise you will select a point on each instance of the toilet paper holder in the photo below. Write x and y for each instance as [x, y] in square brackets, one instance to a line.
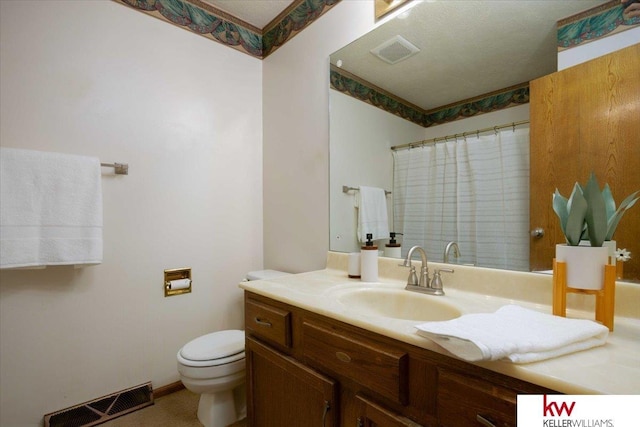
[177, 281]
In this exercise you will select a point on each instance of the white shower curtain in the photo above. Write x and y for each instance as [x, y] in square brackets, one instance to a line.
[474, 191]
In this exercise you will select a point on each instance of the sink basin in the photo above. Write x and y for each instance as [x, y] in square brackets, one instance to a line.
[398, 304]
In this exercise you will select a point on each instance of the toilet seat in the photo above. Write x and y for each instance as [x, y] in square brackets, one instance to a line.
[214, 349]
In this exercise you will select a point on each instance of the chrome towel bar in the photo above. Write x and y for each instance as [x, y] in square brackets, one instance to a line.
[120, 168]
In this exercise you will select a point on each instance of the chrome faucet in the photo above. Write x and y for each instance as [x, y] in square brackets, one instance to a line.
[421, 285]
[424, 270]
[456, 251]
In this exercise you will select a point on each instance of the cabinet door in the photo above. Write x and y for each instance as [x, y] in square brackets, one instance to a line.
[373, 415]
[283, 392]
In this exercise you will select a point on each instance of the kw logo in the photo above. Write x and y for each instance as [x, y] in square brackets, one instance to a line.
[551, 409]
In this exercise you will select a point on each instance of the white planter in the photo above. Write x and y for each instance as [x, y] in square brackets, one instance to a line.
[585, 265]
[611, 245]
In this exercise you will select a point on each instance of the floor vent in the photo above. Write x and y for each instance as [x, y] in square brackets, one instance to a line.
[102, 409]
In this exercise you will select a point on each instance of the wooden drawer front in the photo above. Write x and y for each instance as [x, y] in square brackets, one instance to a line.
[374, 415]
[381, 370]
[470, 401]
[268, 322]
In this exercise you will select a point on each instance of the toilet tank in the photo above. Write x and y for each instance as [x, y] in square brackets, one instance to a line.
[265, 274]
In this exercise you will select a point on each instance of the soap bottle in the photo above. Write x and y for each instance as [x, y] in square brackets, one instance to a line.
[369, 261]
[393, 249]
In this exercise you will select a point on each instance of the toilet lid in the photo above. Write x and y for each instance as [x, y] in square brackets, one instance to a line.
[216, 345]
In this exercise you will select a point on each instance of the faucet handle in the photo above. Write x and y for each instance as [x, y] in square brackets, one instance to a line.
[436, 283]
[413, 277]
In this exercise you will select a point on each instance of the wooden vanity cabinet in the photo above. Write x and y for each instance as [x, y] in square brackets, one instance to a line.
[304, 369]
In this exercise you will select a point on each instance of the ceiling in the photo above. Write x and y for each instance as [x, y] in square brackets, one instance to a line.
[255, 12]
[467, 48]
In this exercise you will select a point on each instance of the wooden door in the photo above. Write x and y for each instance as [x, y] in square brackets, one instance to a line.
[586, 118]
[283, 392]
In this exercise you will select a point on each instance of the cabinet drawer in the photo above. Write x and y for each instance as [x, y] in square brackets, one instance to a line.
[268, 322]
[382, 370]
[373, 415]
[470, 401]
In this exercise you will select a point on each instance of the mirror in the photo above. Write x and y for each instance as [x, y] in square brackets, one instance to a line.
[468, 50]
[384, 7]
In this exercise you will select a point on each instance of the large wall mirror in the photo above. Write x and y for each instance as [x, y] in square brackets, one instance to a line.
[433, 57]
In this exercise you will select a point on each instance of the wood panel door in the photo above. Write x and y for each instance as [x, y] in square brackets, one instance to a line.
[586, 118]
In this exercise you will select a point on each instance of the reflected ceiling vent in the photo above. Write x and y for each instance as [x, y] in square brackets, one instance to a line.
[395, 50]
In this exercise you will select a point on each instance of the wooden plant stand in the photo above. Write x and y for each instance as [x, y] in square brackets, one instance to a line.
[605, 297]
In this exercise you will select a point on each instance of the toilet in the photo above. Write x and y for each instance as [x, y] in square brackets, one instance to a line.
[213, 366]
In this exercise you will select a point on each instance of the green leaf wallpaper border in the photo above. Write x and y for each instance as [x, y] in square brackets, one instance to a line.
[360, 89]
[214, 24]
[593, 24]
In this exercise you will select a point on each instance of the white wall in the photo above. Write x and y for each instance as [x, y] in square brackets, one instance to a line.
[296, 138]
[587, 51]
[97, 78]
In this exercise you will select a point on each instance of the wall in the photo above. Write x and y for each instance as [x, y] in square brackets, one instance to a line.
[99, 79]
[296, 135]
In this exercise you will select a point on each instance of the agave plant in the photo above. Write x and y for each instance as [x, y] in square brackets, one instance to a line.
[590, 214]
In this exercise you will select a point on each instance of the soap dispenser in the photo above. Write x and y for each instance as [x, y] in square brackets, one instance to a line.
[393, 249]
[369, 261]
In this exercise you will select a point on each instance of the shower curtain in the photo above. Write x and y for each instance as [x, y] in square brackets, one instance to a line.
[472, 190]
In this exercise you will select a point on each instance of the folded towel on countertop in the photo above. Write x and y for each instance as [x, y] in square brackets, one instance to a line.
[372, 213]
[50, 209]
[514, 333]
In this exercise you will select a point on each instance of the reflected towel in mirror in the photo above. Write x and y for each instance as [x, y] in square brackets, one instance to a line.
[372, 213]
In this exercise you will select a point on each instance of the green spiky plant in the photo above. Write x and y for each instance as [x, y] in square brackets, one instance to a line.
[590, 214]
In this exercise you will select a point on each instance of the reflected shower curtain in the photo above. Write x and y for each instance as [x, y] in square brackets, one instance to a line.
[474, 191]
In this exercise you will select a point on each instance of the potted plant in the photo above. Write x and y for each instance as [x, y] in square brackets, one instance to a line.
[588, 215]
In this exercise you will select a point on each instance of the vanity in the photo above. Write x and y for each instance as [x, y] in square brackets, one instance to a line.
[326, 350]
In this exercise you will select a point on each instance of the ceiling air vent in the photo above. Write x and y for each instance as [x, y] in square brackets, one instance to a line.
[395, 50]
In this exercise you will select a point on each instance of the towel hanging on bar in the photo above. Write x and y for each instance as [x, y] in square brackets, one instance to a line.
[51, 210]
[372, 214]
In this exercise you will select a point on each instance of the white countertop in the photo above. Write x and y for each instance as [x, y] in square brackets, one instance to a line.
[610, 369]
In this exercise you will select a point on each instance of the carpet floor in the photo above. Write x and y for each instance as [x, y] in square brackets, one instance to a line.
[173, 410]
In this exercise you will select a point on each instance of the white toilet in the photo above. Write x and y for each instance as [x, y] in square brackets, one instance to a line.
[213, 366]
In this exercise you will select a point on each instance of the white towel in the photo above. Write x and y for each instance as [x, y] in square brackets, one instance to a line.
[515, 334]
[50, 209]
[372, 213]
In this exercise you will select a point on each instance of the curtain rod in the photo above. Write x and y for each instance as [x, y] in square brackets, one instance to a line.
[457, 135]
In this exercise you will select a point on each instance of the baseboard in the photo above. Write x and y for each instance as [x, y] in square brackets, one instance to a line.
[167, 389]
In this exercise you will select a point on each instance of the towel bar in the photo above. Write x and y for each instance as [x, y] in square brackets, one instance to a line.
[120, 168]
[346, 189]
